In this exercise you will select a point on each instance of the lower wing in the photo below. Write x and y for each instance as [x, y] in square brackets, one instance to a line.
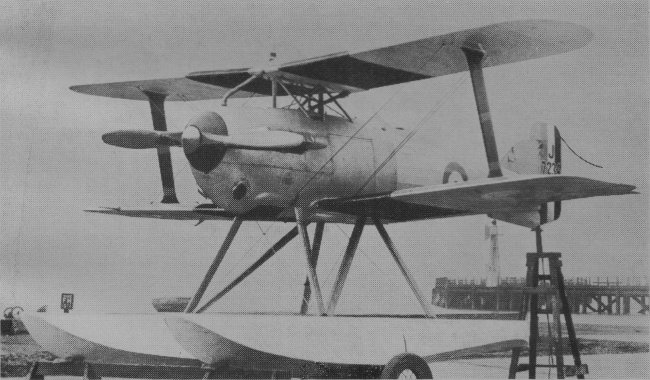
[203, 212]
[516, 199]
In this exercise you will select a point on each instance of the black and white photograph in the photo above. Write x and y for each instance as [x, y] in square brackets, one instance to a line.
[324, 189]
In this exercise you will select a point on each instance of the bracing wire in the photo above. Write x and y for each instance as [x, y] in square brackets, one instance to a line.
[400, 90]
[415, 130]
[412, 133]
[263, 235]
[577, 155]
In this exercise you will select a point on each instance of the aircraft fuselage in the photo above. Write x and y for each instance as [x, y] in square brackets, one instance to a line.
[245, 179]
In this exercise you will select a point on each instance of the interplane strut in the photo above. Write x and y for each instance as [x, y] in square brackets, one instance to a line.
[475, 56]
[157, 105]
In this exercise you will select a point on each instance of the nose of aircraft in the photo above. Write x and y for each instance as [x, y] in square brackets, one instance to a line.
[191, 139]
[201, 154]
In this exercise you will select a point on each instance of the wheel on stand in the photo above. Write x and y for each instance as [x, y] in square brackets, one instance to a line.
[406, 366]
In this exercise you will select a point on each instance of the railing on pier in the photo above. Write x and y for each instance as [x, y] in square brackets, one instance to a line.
[586, 294]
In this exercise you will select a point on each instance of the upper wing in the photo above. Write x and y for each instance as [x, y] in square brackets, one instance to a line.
[357, 71]
[506, 42]
[175, 89]
[491, 195]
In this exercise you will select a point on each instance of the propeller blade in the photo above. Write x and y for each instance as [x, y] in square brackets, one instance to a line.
[142, 139]
[265, 140]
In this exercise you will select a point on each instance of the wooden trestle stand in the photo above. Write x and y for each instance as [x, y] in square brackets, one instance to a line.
[547, 284]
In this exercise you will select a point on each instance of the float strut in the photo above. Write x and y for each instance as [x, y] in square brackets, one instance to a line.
[346, 263]
[315, 250]
[402, 266]
[267, 255]
[311, 270]
[236, 223]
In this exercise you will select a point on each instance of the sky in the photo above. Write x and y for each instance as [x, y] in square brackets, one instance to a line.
[54, 165]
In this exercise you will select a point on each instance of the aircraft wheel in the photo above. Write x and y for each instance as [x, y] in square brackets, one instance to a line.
[406, 366]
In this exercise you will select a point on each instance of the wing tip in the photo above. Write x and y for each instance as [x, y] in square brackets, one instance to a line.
[81, 89]
[104, 210]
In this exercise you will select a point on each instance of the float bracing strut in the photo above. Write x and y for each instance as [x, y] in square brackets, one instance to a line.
[315, 250]
[346, 263]
[301, 223]
[236, 223]
[258, 263]
[402, 267]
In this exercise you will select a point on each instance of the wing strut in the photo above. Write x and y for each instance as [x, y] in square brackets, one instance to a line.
[157, 104]
[475, 62]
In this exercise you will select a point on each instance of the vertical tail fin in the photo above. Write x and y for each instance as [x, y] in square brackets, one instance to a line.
[540, 154]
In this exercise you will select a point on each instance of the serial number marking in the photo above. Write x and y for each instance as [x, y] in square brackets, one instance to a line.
[550, 167]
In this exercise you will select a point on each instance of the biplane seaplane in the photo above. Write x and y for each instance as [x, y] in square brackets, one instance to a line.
[311, 163]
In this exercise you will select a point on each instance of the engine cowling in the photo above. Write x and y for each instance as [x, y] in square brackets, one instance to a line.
[204, 157]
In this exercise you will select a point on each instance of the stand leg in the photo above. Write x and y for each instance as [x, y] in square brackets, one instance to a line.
[514, 363]
[533, 265]
[534, 329]
[236, 223]
[318, 238]
[568, 319]
[402, 266]
[346, 263]
[555, 304]
[311, 269]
